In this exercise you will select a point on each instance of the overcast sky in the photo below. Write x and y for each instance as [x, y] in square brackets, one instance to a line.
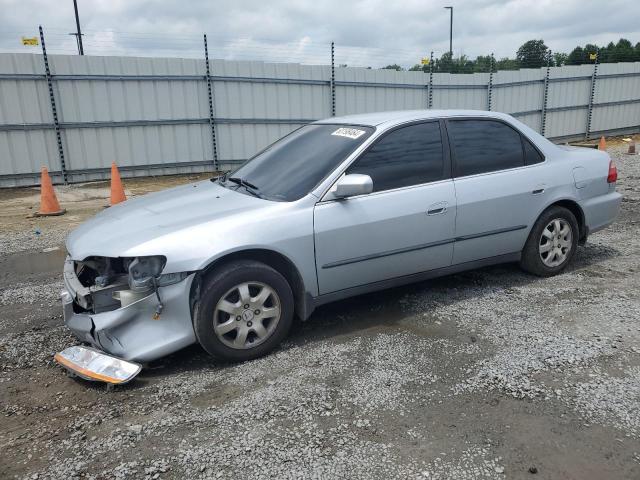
[368, 32]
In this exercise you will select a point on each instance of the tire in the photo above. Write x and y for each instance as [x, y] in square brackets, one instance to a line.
[223, 303]
[550, 255]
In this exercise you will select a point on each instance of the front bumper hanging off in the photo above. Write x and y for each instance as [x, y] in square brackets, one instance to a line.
[130, 332]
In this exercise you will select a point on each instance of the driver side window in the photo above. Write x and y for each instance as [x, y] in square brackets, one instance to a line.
[406, 156]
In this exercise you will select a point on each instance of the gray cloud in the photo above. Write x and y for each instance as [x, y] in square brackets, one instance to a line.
[366, 32]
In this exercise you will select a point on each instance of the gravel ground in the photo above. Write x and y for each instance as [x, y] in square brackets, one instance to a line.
[486, 374]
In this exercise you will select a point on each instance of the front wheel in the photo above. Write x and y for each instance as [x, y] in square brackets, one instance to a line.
[552, 242]
[244, 312]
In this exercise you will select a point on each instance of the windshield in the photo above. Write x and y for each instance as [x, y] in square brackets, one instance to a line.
[291, 167]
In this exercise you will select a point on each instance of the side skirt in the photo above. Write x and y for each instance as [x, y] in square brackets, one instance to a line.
[416, 277]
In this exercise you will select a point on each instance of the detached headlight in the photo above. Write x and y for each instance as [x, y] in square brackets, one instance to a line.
[92, 364]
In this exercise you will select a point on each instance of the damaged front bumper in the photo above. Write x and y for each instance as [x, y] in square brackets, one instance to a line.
[130, 332]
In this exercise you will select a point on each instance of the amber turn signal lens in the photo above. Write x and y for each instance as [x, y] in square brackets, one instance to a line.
[95, 365]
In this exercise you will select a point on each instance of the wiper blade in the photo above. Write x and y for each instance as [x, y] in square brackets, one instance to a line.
[243, 182]
[221, 178]
[248, 186]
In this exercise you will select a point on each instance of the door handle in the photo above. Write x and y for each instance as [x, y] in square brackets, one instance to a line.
[538, 190]
[437, 208]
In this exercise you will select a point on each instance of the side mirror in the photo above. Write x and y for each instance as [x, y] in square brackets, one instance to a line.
[352, 185]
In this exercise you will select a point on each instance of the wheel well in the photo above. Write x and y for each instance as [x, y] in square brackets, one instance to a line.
[574, 208]
[278, 262]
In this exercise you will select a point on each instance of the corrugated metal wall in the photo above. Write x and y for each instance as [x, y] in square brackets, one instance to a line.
[101, 104]
[151, 115]
[616, 96]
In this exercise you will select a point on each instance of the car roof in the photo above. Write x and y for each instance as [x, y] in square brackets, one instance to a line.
[401, 116]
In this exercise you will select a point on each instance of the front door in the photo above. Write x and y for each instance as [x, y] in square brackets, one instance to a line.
[405, 226]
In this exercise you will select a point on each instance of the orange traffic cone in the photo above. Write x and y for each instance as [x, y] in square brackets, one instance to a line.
[117, 191]
[48, 201]
[632, 148]
[602, 144]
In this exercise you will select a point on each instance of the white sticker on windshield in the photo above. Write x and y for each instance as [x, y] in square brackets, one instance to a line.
[352, 133]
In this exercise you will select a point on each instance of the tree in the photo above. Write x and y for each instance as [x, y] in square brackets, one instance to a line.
[446, 64]
[576, 57]
[560, 59]
[532, 54]
[507, 64]
[624, 51]
[463, 64]
[483, 63]
[605, 54]
[443, 64]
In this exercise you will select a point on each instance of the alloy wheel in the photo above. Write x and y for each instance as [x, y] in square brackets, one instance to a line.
[246, 315]
[556, 242]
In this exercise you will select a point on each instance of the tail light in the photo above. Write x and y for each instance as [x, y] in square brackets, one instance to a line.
[613, 172]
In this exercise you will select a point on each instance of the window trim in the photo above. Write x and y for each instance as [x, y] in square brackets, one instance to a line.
[454, 166]
[447, 169]
[524, 138]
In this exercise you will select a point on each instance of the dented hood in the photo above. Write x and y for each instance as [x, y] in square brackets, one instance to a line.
[163, 223]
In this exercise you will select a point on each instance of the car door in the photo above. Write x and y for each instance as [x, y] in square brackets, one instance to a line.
[500, 184]
[405, 226]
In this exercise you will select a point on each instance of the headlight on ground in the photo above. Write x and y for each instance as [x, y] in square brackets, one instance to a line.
[92, 364]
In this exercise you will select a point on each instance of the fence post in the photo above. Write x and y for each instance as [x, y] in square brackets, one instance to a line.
[333, 81]
[54, 111]
[490, 84]
[212, 120]
[430, 93]
[592, 93]
[545, 97]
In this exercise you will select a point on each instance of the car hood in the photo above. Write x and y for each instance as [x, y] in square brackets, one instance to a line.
[162, 222]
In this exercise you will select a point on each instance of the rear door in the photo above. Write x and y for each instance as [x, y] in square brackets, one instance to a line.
[500, 187]
[405, 226]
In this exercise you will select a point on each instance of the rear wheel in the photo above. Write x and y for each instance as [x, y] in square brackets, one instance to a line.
[552, 242]
[244, 312]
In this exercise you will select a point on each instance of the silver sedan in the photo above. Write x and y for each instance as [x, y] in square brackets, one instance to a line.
[336, 208]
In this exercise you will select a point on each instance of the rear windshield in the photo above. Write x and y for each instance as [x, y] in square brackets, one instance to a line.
[294, 165]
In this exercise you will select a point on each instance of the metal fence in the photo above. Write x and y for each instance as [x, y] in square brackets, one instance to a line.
[155, 116]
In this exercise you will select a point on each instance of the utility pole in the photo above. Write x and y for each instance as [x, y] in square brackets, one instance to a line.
[78, 33]
[450, 33]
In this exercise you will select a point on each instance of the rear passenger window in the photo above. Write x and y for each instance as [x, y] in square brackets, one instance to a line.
[482, 146]
[531, 153]
[406, 156]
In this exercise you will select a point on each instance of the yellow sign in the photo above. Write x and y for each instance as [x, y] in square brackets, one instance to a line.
[424, 61]
[32, 41]
[593, 56]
